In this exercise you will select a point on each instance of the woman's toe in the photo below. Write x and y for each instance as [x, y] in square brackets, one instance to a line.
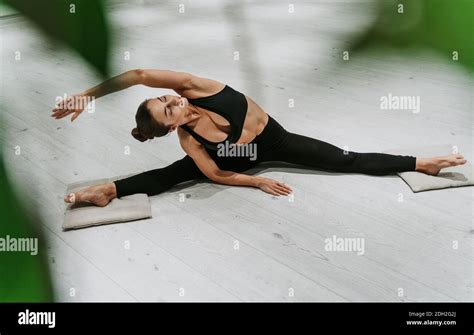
[70, 198]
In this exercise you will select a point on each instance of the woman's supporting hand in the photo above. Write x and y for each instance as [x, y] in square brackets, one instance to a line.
[273, 187]
[73, 104]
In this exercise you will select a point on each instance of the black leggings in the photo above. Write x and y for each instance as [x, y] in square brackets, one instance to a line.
[274, 143]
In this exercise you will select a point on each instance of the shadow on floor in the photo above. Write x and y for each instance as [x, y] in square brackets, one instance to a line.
[206, 191]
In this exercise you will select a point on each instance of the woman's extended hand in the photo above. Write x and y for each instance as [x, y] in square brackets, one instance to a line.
[73, 104]
[273, 187]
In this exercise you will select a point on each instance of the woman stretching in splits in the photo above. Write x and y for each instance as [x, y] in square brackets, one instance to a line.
[206, 115]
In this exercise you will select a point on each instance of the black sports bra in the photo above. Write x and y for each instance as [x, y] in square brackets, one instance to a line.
[228, 103]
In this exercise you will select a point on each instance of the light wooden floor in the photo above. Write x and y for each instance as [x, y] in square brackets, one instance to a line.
[240, 244]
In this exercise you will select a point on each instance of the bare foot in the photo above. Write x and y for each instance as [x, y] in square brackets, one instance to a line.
[433, 165]
[99, 195]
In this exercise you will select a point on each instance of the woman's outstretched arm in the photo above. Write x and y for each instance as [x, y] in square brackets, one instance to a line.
[210, 169]
[74, 104]
[178, 81]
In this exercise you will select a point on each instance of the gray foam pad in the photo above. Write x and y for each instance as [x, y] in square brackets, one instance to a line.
[129, 208]
[455, 176]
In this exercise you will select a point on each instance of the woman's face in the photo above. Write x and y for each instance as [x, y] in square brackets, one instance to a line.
[169, 110]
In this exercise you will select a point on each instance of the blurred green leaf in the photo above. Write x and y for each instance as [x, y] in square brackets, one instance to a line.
[23, 277]
[80, 24]
[443, 25]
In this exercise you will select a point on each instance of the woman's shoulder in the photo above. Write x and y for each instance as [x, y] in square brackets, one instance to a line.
[202, 87]
[186, 139]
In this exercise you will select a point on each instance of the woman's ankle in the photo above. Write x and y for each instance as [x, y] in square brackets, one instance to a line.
[421, 164]
[110, 190]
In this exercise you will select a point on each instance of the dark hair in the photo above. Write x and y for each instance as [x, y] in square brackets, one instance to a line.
[146, 125]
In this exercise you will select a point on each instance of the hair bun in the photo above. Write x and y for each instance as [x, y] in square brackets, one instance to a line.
[137, 135]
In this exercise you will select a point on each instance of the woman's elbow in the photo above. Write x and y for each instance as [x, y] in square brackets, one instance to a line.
[139, 75]
[217, 177]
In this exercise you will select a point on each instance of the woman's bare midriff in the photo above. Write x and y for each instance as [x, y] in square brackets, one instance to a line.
[255, 121]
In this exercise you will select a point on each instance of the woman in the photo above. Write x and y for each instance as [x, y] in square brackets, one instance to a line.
[211, 118]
